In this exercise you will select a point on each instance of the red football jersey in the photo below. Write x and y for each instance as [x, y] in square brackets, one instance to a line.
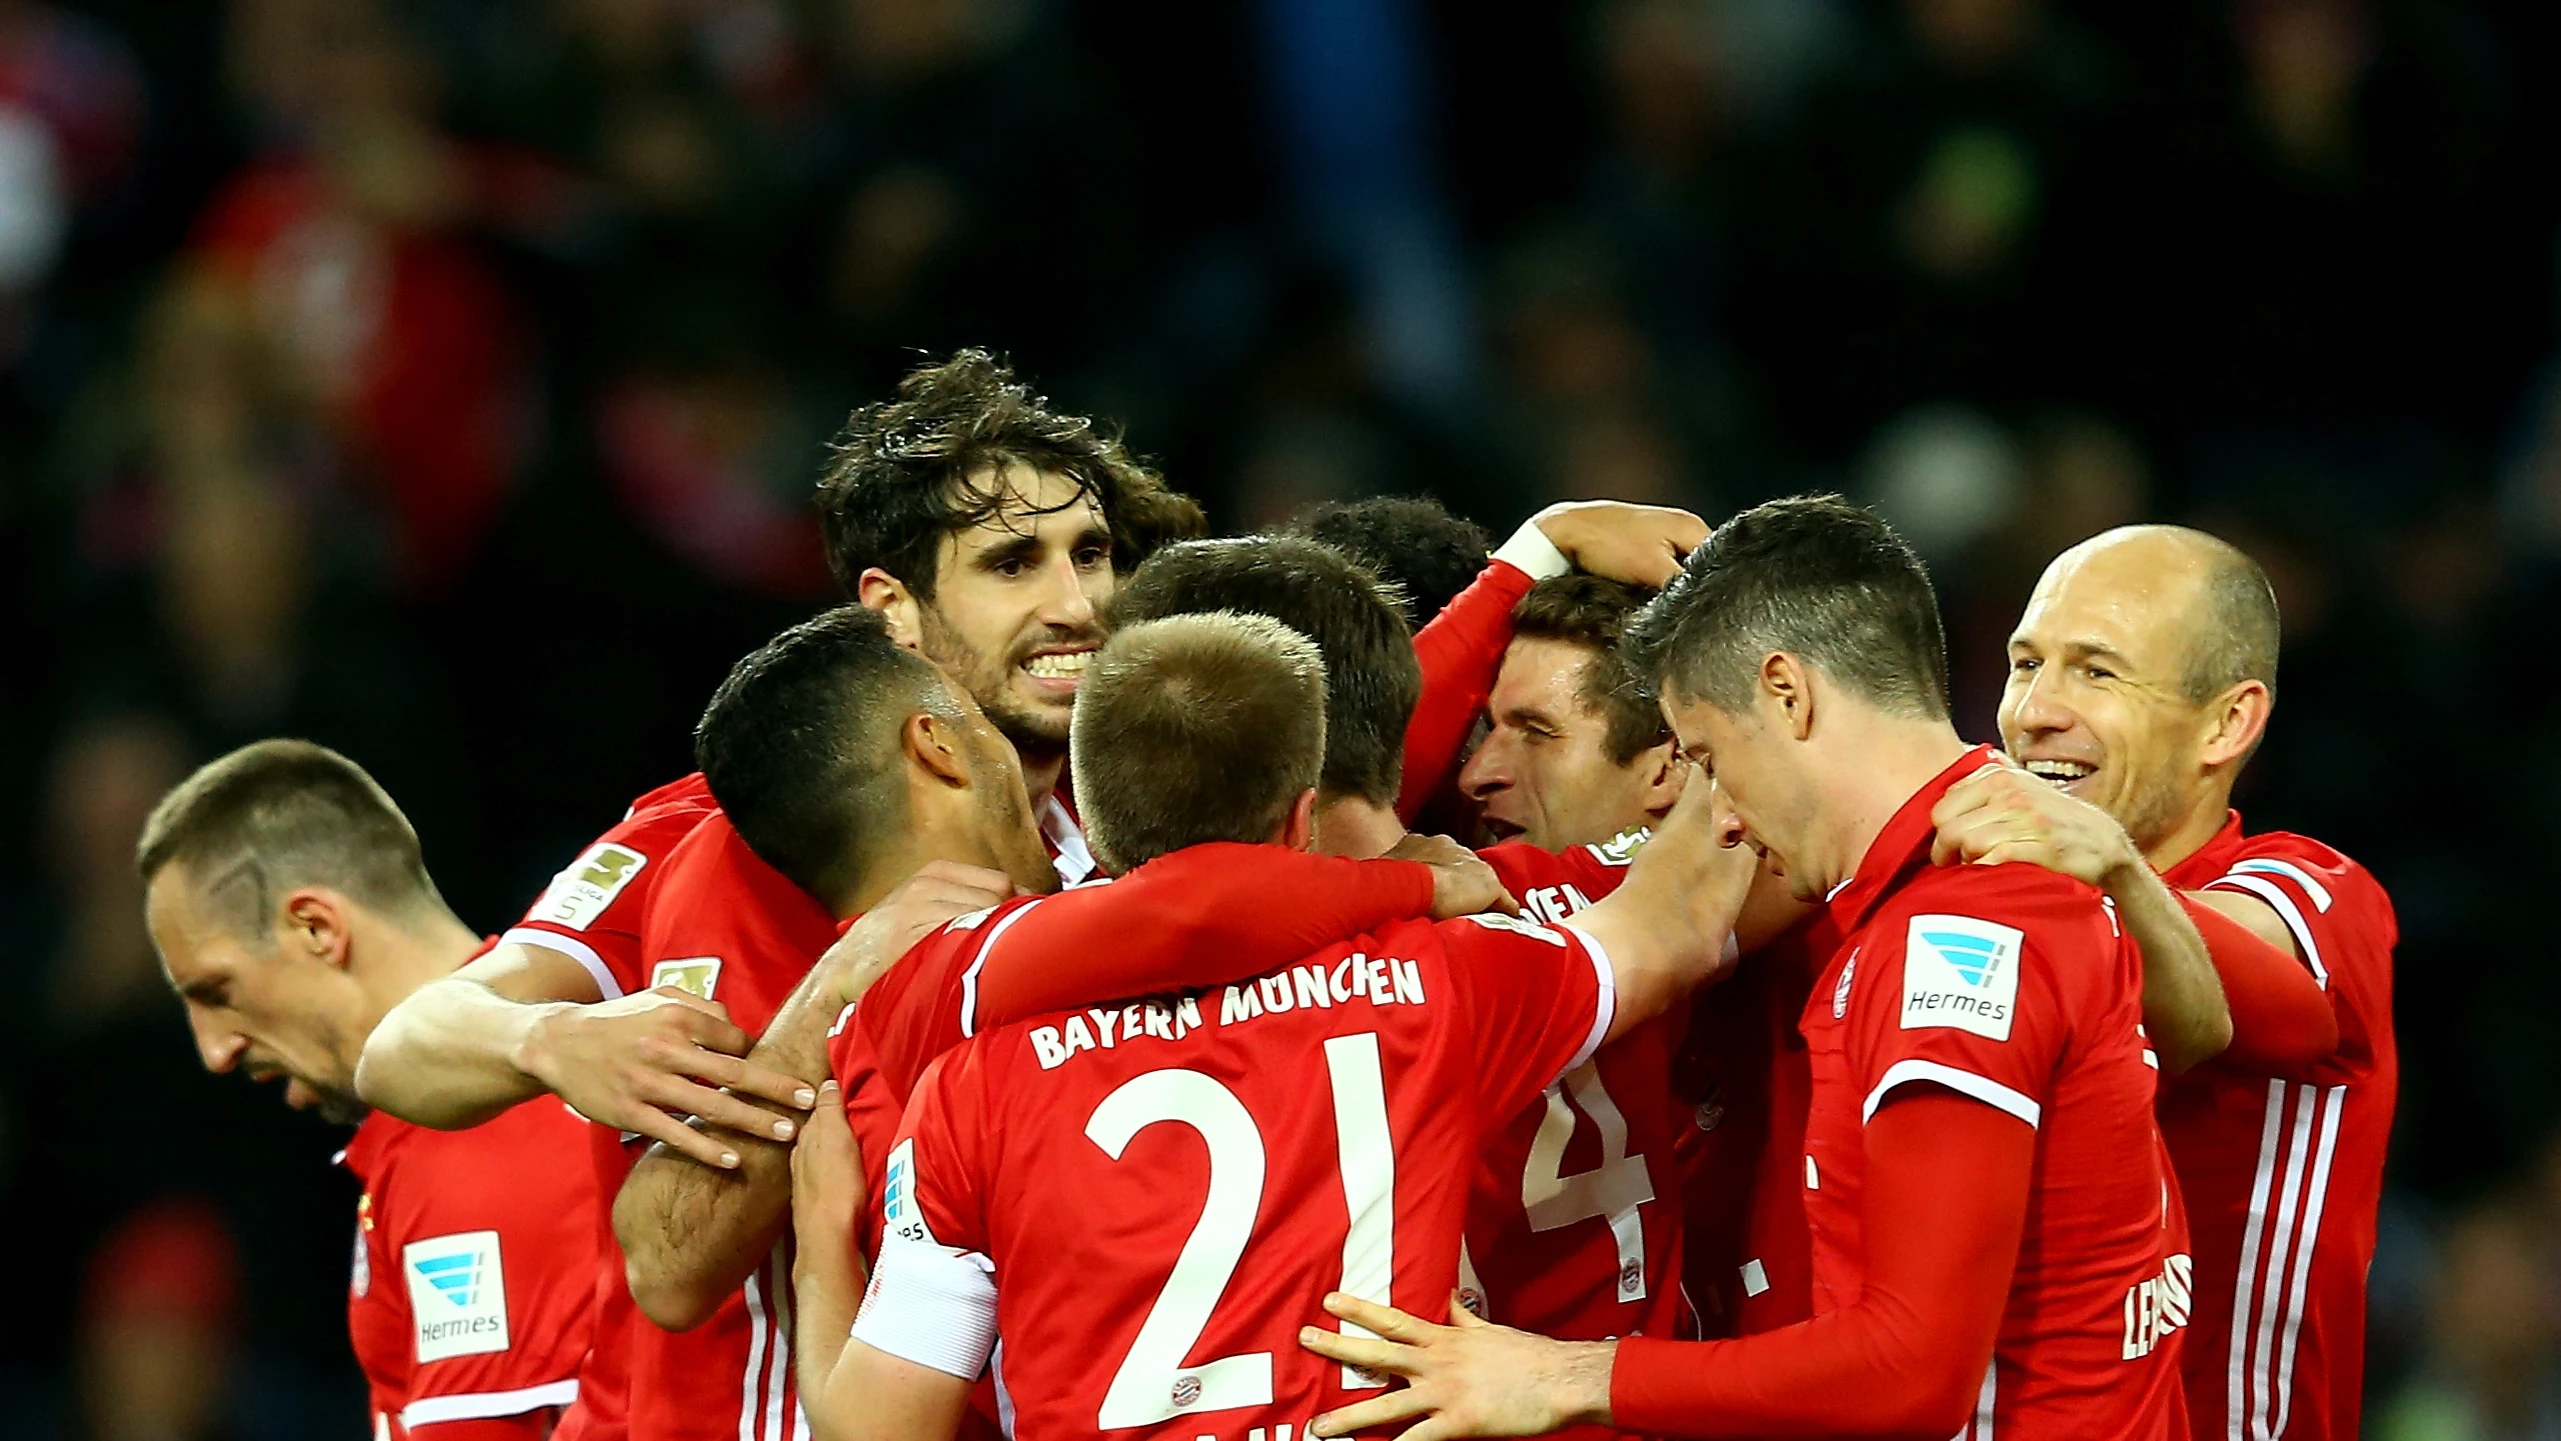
[729, 928]
[2283, 1173]
[1575, 1231]
[1744, 1084]
[2014, 986]
[475, 1267]
[591, 912]
[1145, 1276]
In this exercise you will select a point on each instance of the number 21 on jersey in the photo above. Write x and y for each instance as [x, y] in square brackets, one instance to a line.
[1152, 1384]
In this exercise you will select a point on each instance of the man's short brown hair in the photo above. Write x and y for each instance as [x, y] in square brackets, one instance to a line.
[905, 473]
[1192, 729]
[279, 814]
[1590, 612]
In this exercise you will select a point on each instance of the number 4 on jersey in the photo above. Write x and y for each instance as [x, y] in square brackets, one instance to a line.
[1613, 1190]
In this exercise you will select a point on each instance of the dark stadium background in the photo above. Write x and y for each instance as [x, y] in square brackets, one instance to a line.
[442, 380]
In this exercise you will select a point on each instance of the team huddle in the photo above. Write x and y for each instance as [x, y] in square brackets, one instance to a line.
[1040, 1012]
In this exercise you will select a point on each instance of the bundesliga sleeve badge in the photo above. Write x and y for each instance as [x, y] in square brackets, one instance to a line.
[1962, 973]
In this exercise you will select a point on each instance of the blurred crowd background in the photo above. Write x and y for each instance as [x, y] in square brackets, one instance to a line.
[443, 380]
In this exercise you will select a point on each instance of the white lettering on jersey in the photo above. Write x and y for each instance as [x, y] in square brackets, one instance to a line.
[580, 894]
[1378, 980]
[2156, 1307]
[457, 1294]
[1550, 905]
[1496, 921]
[1961, 972]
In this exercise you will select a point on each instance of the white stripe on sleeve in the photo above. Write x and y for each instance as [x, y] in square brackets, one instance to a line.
[481, 1405]
[1982, 1088]
[2283, 904]
[1604, 1012]
[576, 950]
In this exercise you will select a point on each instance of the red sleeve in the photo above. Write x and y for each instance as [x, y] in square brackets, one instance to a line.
[1910, 1355]
[591, 911]
[1964, 1002]
[2281, 1018]
[1538, 1001]
[1202, 916]
[1460, 650]
[1551, 885]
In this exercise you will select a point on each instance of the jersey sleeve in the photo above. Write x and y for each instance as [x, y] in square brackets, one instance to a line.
[495, 1242]
[591, 911]
[1552, 885]
[1538, 999]
[2304, 889]
[2282, 1020]
[1202, 916]
[1965, 1002]
[1460, 650]
[932, 1297]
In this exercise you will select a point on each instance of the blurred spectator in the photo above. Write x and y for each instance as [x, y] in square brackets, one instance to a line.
[159, 1321]
[2493, 1365]
[105, 778]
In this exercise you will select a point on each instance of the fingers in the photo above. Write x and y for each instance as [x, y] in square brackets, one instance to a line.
[1367, 1352]
[1369, 1415]
[749, 1079]
[676, 1136]
[1462, 1319]
[719, 1108]
[1386, 1321]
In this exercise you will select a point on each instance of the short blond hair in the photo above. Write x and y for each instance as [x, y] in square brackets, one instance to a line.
[1192, 729]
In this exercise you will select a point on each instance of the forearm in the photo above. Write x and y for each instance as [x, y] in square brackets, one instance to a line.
[451, 1056]
[1944, 1207]
[2184, 1012]
[828, 1277]
[1460, 651]
[2282, 1020]
[692, 1234]
[1665, 935]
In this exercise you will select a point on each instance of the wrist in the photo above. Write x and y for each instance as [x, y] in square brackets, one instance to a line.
[1534, 552]
[1588, 1381]
[537, 1041]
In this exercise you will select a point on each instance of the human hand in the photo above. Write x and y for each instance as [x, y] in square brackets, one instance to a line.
[1633, 544]
[827, 1188]
[642, 1063]
[1468, 1378]
[1462, 884]
[2003, 814]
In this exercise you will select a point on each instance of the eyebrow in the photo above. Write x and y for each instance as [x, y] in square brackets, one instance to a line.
[2078, 650]
[1020, 547]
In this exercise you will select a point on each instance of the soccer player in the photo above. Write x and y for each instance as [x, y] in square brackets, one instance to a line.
[2142, 676]
[990, 530]
[291, 908]
[1998, 1246]
[844, 764]
[1412, 542]
[1032, 1193]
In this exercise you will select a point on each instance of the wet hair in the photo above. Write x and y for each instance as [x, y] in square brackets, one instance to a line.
[281, 814]
[1192, 729]
[1412, 542]
[904, 473]
[1590, 612]
[1813, 576]
[1372, 679]
[800, 745]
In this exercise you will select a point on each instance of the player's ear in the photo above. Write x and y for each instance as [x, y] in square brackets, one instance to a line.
[1298, 830]
[312, 923]
[1786, 687]
[934, 745]
[1664, 772]
[877, 589]
[2235, 721]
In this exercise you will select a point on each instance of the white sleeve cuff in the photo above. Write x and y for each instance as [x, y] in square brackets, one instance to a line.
[575, 949]
[1531, 552]
[931, 1305]
[1982, 1088]
[1604, 1009]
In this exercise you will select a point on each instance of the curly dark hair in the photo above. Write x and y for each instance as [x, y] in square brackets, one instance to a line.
[904, 473]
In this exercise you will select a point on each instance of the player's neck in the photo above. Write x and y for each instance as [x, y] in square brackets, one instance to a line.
[397, 956]
[1362, 830]
[1041, 774]
[1881, 763]
[2203, 821]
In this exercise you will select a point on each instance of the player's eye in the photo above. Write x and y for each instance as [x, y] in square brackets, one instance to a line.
[2100, 672]
[2022, 664]
[1093, 557]
[1011, 567]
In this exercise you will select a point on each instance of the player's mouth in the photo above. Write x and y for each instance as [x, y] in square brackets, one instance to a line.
[1500, 829]
[1056, 672]
[2062, 774]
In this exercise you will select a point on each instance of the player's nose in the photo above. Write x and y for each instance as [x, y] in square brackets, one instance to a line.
[1486, 772]
[2037, 709]
[221, 1050]
[1068, 605]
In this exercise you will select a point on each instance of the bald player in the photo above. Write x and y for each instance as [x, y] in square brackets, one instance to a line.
[2141, 681]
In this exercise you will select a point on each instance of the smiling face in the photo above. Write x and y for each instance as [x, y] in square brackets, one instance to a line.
[1016, 604]
[1544, 773]
[2097, 700]
[268, 1005]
